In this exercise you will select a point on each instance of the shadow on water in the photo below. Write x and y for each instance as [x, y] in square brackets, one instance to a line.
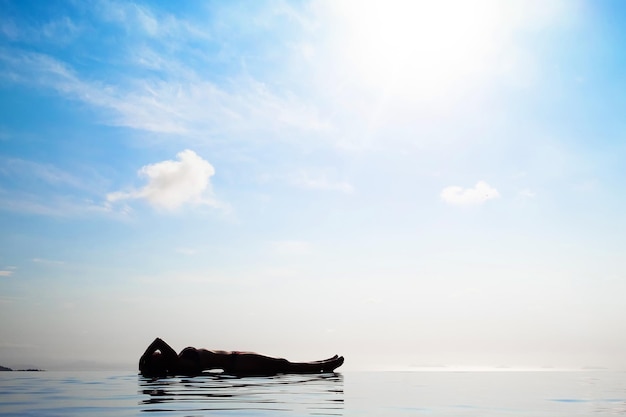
[319, 394]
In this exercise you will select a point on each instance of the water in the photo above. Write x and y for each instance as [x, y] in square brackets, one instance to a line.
[390, 394]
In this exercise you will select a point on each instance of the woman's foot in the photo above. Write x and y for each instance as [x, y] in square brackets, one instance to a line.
[327, 365]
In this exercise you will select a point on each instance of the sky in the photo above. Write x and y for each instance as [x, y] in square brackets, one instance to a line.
[408, 184]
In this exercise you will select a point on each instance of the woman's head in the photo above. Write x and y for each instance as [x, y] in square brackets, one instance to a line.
[153, 365]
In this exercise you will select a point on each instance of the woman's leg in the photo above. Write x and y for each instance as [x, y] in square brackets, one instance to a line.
[255, 364]
[327, 365]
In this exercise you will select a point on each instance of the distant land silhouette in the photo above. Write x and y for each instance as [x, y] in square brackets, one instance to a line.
[4, 368]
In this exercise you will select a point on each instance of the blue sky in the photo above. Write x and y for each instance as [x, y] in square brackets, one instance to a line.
[404, 183]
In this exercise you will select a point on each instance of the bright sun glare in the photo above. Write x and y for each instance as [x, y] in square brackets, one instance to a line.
[419, 47]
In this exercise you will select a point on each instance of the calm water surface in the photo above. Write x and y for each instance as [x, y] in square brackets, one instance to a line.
[483, 394]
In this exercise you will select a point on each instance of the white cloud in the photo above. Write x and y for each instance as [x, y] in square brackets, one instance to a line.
[178, 102]
[5, 273]
[480, 193]
[172, 184]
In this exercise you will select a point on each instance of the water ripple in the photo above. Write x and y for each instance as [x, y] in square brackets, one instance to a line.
[306, 395]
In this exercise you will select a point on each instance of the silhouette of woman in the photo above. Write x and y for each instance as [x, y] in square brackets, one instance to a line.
[160, 359]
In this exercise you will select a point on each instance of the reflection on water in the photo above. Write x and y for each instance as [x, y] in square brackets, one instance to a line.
[366, 394]
[319, 395]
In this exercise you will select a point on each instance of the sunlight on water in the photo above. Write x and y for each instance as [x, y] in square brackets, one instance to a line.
[370, 394]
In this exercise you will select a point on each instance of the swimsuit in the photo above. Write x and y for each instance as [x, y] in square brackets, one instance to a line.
[232, 363]
[190, 354]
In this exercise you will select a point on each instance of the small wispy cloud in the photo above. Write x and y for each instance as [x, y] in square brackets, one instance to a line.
[53, 206]
[44, 189]
[291, 247]
[586, 185]
[133, 18]
[61, 30]
[178, 102]
[187, 251]
[9, 29]
[526, 194]
[21, 169]
[319, 182]
[478, 194]
[6, 272]
[172, 184]
[47, 261]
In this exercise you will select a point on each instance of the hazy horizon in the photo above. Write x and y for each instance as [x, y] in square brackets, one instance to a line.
[405, 183]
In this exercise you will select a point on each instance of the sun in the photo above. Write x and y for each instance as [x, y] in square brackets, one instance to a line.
[419, 47]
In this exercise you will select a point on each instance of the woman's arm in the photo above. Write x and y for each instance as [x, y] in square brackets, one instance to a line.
[168, 355]
[160, 345]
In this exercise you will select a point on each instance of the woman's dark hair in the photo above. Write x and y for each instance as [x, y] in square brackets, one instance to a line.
[153, 365]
